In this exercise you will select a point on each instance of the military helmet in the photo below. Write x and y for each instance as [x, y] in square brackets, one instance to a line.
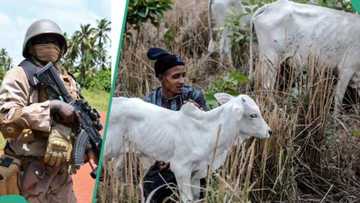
[43, 27]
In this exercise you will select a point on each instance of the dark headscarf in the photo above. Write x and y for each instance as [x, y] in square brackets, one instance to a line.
[164, 60]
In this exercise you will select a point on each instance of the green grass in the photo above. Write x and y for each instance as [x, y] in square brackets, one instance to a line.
[98, 99]
[2, 142]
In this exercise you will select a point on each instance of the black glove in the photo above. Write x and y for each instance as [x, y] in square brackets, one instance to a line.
[63, 113]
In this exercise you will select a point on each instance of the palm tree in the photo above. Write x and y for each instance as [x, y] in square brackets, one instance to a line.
[86, 52]
[84, 41]
[71, 54]
[102, 37]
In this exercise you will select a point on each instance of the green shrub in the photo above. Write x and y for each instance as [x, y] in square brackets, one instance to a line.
[100, 81]
[230, 83]
[140, 11]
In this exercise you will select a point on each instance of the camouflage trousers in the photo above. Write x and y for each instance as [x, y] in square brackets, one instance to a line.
[40, 183]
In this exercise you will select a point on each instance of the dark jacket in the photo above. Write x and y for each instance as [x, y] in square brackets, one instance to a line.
[175, 103]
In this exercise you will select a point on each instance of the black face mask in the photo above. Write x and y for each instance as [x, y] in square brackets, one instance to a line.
[44, 39]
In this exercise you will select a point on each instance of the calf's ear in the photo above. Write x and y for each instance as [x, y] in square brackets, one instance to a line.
[222, 97]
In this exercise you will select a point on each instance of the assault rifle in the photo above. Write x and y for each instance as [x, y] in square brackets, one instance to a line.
[87, 134]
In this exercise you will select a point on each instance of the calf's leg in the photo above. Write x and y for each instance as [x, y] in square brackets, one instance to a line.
[344, 79]
[195, 186]
[183, 178]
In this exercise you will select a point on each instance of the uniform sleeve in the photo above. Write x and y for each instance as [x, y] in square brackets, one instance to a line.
[199, 98]
[14, 108]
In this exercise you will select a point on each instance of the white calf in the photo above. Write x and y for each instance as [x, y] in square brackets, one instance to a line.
[185, 138]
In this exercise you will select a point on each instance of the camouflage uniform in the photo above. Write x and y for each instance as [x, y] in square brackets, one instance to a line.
[26, 119]
[38, 183]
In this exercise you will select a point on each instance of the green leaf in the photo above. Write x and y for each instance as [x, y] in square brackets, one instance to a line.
[247, 9]
[355, 133]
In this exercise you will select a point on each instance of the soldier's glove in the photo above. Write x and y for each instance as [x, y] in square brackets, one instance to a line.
[59, 147]
[63, 113]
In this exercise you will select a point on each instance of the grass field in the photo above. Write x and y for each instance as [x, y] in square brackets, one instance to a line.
[2, 142]
[97, 98]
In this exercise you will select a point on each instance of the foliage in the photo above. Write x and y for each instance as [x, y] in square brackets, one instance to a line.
[169, 36]
[140, 14]
[87, 51]
[101, 81]
[2, 142]
[337, 4]
[233, 22]
[230, 83]
[101, 33]
[141, 11]
[98, 99]
[5, 62]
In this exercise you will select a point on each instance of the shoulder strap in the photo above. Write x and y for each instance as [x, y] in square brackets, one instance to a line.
[30, 70]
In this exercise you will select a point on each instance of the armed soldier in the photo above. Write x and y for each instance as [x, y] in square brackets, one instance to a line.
[38, 128]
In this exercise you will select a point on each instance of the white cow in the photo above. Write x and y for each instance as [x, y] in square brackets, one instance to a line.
[286, 29]
[220, 41]
[185, 138]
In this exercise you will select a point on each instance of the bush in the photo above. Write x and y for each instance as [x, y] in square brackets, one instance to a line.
[100, 81]
[140, 11]
[231, 83]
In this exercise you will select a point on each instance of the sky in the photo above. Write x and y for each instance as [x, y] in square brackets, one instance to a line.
[15, 18]
[118, 11]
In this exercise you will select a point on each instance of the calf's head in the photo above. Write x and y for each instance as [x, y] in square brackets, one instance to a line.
[247, 115]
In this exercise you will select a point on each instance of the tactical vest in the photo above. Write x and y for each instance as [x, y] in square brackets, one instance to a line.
[30, 70]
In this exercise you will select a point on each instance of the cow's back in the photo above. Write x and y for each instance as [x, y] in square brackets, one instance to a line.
[151, 128]
[286, 29]
[125, 117]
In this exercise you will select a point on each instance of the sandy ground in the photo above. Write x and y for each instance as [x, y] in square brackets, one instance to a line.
[83, 183]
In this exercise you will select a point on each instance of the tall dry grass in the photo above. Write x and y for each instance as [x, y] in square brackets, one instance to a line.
[311, 157]
[186, 28]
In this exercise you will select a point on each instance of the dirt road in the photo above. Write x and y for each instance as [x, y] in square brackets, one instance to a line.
[83, 183]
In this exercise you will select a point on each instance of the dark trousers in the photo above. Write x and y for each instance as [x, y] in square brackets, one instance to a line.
[165, 179]
[154, 179]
